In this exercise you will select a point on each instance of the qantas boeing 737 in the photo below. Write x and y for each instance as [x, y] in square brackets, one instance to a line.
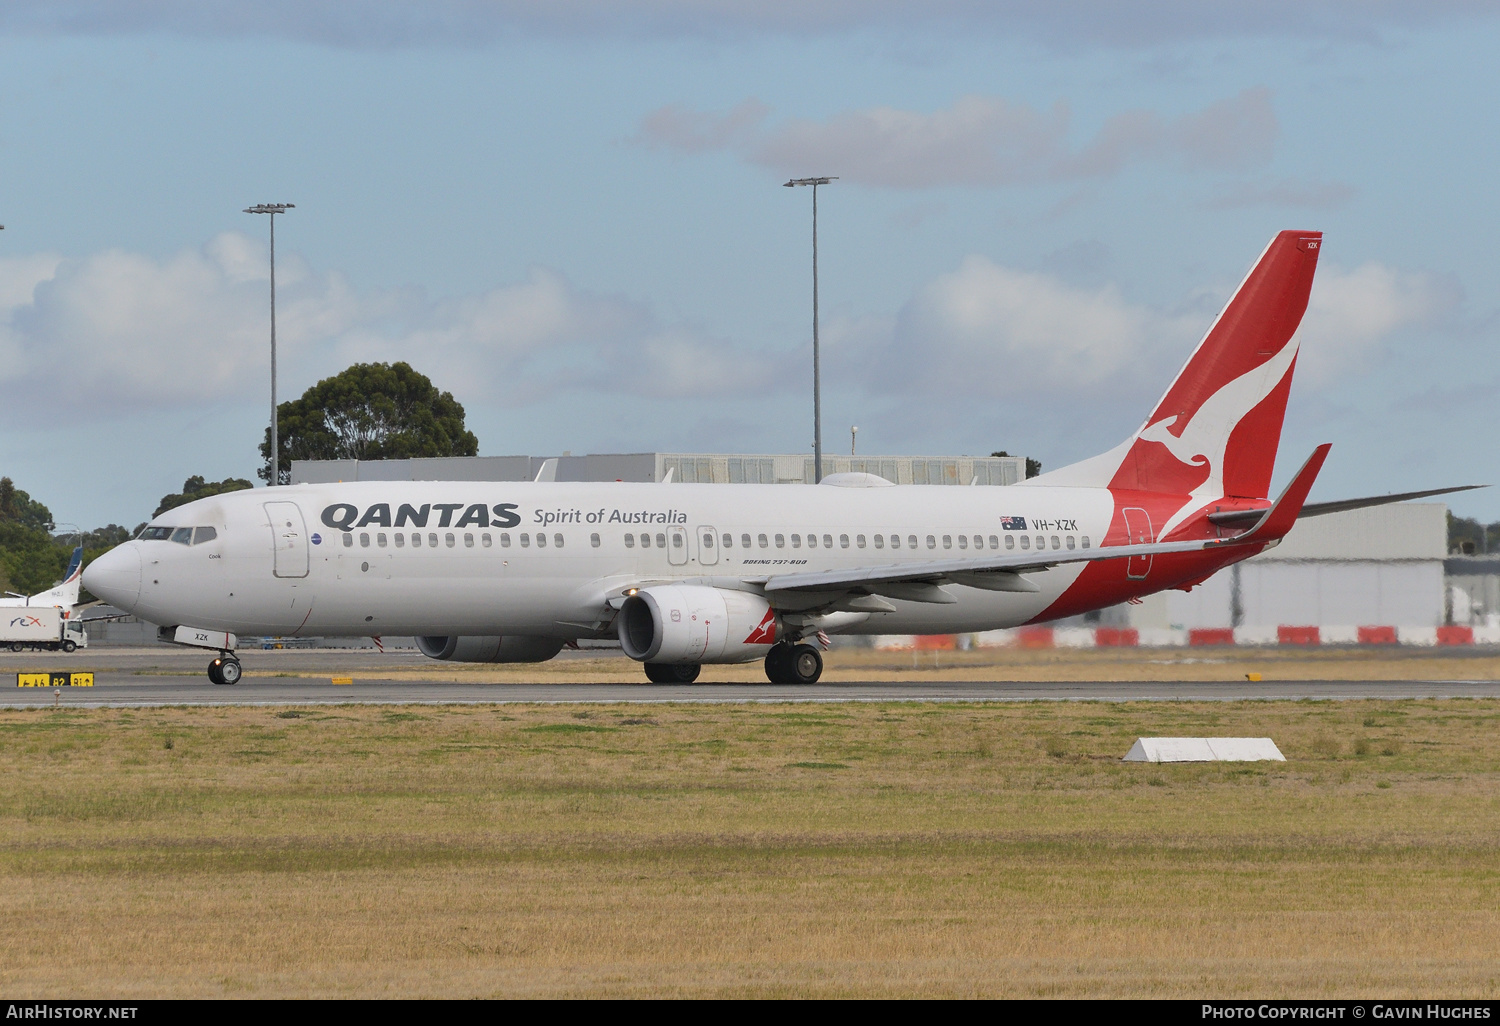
[690, 574]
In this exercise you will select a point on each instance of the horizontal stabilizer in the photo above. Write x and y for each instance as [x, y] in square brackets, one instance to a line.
[1235, 517]
[1274, 523]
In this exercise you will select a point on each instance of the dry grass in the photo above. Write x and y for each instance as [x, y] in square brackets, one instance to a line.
[748, 850]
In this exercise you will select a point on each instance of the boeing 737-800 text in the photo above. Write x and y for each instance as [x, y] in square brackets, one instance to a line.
[690, 574]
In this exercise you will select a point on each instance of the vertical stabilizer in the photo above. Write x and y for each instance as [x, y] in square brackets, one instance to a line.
[1216, 430]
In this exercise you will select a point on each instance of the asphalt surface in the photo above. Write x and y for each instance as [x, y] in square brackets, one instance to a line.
[149, 677]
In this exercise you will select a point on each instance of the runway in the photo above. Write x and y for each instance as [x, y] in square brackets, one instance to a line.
[145, 678]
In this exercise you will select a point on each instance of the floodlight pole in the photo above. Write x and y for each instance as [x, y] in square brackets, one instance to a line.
[817, 382]
[273, 209]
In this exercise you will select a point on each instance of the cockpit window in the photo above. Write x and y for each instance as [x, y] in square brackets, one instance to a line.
[183, 536]
[156, 534]
[204, 534]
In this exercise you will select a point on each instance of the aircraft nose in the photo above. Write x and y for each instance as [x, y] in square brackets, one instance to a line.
[116, 576]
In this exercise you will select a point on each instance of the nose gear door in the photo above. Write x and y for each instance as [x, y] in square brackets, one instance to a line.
[289, 539]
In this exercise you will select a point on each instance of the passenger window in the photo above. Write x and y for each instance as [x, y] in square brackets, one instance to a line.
[812, 541]
[879, 541]
[728, 541]
[400, 540]
[183, 536]
[676, 541]
[947, 541]
[859, 540]
[468, 540]
[1070, 541]
[1056, 542]
[488, 541]
[505, 541]
[708, 539]
[895, 541]
[449, 540]
[364, 540]
[781, 541]
[525, 540]
[557, 541]
[204, 534]
[963, 541]
[645, 541]
[629, 538]
[1085, 541]
[416, 540]
[1010, 541]
[760, 538]
[828, 541]
[931, 542]
[1041, 543]
[593, 540]
[432, 539]
[380, 539]
[796, 541]
[661, 540]
[911, 541]
[745, 541]
[843, 541]
[541, 540]
[348, 540]
[1025, 540]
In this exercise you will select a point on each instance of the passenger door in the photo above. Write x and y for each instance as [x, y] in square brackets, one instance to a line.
[1137, 532]
[677, 546]
[289, 538]
[708, 546]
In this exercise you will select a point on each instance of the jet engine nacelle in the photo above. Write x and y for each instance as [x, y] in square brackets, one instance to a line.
[689, 623]
[513, 648]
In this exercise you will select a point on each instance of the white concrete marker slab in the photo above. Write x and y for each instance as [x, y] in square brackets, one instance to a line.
[1204, 749]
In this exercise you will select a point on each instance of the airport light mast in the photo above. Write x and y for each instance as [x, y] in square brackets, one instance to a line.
[817, 383]
[273, 209]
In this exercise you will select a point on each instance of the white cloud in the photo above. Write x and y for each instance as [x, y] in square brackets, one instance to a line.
[116, 330]
[978, 141]
[1353, 315]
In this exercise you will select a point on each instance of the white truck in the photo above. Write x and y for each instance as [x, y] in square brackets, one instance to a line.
[41, 629]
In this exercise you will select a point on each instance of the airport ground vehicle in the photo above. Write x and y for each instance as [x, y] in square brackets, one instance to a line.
[689, 574]
[40, 628]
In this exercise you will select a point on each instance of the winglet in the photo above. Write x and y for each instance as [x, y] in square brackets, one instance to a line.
[1282, 515]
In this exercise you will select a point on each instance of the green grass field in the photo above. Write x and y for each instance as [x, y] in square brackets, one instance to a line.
[835, 849]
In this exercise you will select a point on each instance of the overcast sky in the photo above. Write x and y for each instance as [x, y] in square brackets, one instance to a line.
[570, 215]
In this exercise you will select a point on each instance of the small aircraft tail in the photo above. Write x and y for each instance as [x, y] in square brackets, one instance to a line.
[65, 592]
[1216, 430]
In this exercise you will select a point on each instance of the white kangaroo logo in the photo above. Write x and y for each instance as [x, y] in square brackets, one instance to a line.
[1206, 436]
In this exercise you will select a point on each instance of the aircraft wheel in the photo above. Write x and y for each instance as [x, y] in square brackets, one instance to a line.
[15, 646]
[213, 673]
[805, 665]
[779, 665]
[672, 673]
[230, 672]
[70, 646]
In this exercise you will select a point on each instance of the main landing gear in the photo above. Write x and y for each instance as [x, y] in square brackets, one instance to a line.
[672, 673]
[225, 669]
[794, 664]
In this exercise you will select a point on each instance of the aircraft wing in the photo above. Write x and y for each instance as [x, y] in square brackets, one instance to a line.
[920, 581]
[994, 573]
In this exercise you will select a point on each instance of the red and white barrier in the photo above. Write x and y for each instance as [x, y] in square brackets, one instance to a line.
[1172, 637]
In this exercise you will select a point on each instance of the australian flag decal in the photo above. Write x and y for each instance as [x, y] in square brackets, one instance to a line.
[1012, 523]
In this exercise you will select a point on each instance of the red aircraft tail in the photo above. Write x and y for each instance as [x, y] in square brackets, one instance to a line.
[1217, 428]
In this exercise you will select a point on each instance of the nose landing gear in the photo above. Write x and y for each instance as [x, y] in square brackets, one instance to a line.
[225, 669]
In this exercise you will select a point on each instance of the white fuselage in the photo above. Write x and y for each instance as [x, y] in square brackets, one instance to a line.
[346, 559]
